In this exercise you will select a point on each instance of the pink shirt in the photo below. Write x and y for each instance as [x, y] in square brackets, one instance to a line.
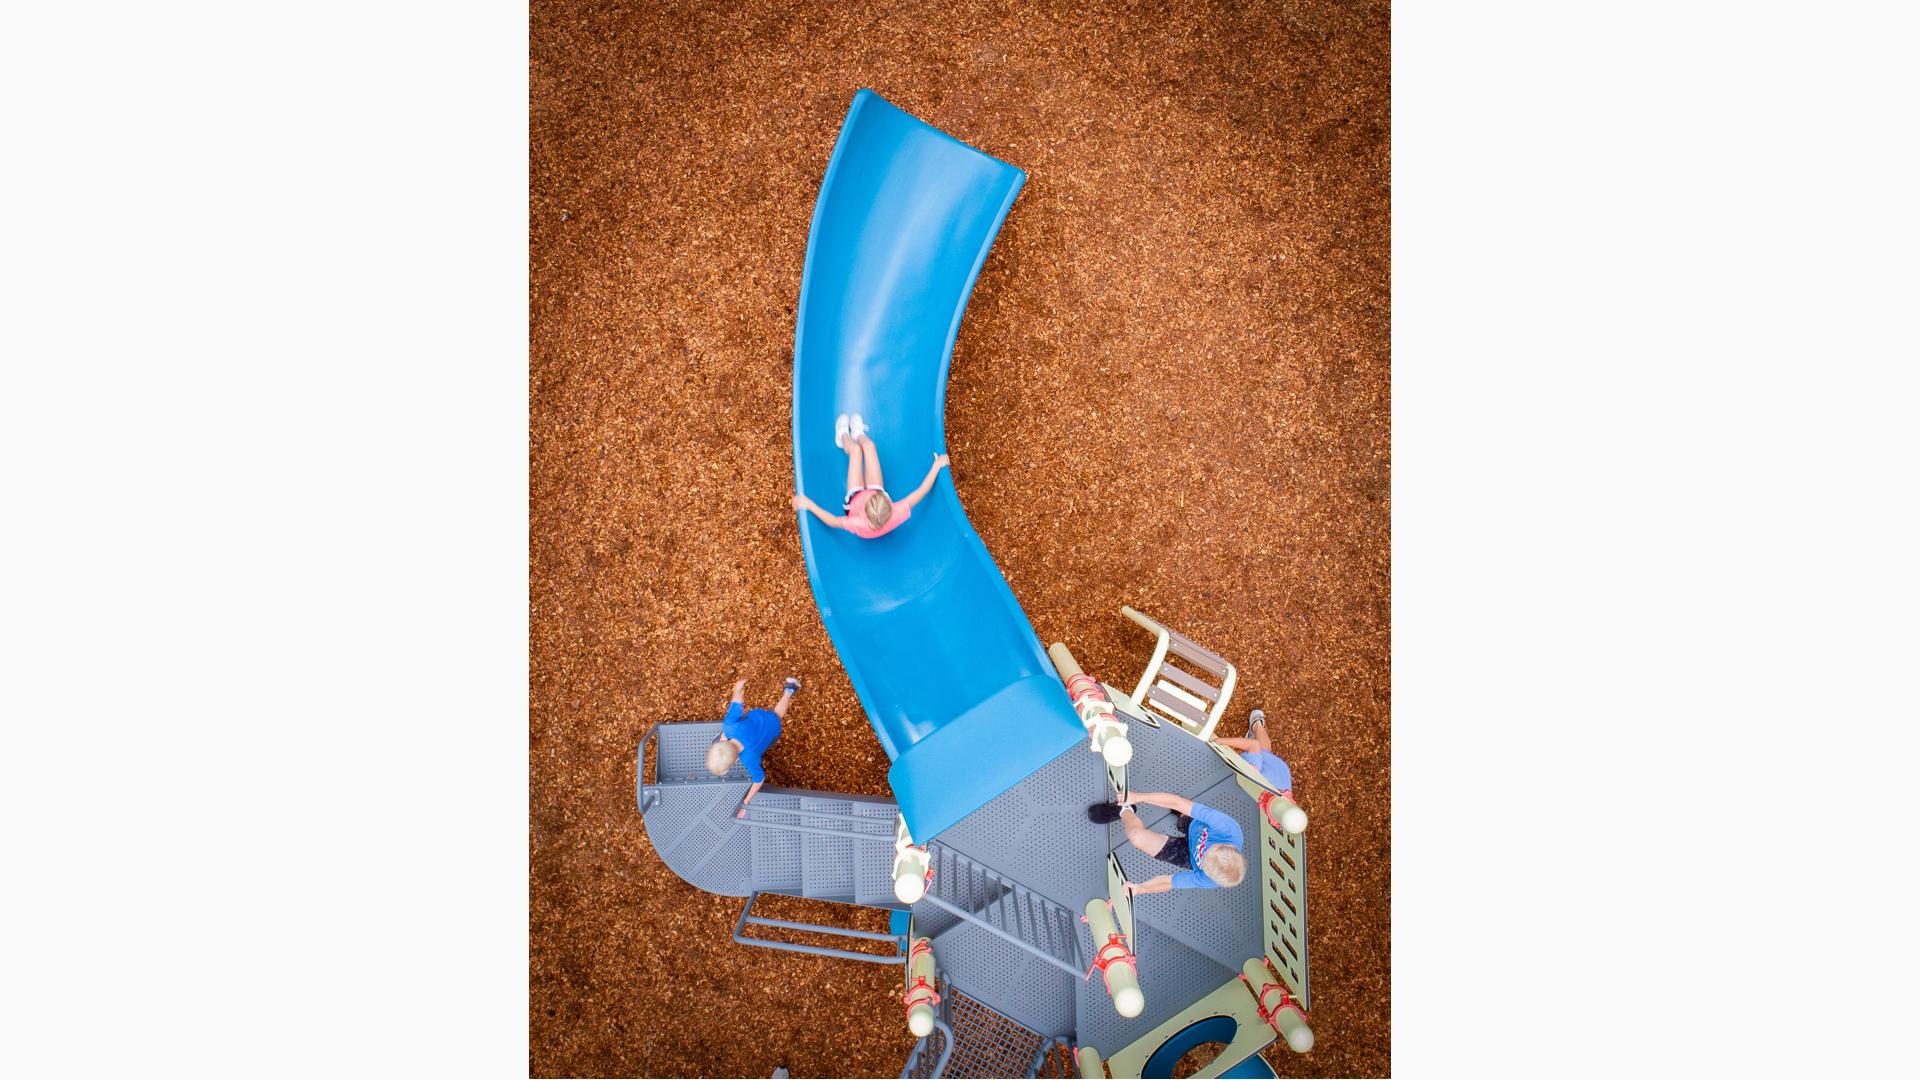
[857, 518]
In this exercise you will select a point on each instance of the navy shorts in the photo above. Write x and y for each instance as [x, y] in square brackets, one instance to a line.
[1175, 849]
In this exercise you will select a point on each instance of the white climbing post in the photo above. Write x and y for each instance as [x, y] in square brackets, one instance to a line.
[1091, 1067]
[1106, 733]
[1283, 1014]
[1115, 960]
[921, 995]
[912, 866]
[1283, 812]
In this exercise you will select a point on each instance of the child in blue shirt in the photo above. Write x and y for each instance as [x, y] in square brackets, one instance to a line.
[1257, 751]
[1206, 849]
[745, 735]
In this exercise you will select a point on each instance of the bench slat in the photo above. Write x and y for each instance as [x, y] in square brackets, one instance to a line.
[1169, 703]
[1187, 649]
[1189, 683]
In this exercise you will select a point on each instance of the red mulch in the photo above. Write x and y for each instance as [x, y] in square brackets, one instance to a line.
[1170, 390]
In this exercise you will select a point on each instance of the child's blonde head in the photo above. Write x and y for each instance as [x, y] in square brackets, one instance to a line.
[1225, 865]
[721, 756]
[879, 508]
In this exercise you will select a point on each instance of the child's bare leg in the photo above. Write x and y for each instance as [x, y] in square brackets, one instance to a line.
[856, 466]
[786, 698]
[1141, 837]
[872, 454]
[1257, 727]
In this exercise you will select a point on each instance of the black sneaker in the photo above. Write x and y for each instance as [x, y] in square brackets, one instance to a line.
[1105, 813]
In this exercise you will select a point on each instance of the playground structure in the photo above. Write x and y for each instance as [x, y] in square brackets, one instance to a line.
[1004, 900]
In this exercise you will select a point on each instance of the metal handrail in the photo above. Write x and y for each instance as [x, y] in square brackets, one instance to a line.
[1046, 1048]
[763, 823]
[747, 918]
[648, 792]
[946, 1050]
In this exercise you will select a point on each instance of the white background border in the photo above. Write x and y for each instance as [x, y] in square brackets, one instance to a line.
[1653, 537]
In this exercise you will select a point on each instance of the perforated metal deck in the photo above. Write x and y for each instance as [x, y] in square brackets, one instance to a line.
[1023, 867]
[1189, 941]
[1037, 832]
[845, 853]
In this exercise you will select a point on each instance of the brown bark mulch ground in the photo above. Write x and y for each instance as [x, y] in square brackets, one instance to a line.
[1170, 391]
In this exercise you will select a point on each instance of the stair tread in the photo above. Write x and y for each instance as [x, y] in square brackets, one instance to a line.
[1002, 904]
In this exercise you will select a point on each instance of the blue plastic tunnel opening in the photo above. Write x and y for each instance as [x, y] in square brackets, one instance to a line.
[1220, 1029]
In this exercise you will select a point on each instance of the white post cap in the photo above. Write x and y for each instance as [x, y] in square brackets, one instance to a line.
[909, 888]
[920, 1021]
[1293, 819]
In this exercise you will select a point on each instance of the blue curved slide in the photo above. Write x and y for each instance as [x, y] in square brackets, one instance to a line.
[956, 685]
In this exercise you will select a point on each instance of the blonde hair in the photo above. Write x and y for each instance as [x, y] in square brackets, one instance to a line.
[721, 756]
[879, 508]
[1224, 864]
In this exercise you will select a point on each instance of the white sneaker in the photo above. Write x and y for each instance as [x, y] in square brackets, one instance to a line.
[840, 428]
[857, 428]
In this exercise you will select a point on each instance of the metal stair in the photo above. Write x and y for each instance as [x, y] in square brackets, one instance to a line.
[823, 845]
[814, 844]
[963, 889]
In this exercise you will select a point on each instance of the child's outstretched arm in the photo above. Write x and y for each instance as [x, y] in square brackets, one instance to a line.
[831, 521]
[1175, 803]
[1163, 883]
[751, 792]
[914, 496]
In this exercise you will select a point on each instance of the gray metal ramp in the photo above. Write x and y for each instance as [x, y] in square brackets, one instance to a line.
[815, 844]
[964, 892]
[692, 828]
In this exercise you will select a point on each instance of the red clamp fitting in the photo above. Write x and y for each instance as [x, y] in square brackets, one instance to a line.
[1106, 957]
[1268, 1014]
[1266, 801]
[1084, 687]
[920, 983]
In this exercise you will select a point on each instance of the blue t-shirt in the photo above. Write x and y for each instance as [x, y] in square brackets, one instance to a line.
[756, 729]
[1209, 827]
[1272, 768]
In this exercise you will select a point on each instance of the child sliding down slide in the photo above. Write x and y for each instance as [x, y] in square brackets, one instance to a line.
[867, 511]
